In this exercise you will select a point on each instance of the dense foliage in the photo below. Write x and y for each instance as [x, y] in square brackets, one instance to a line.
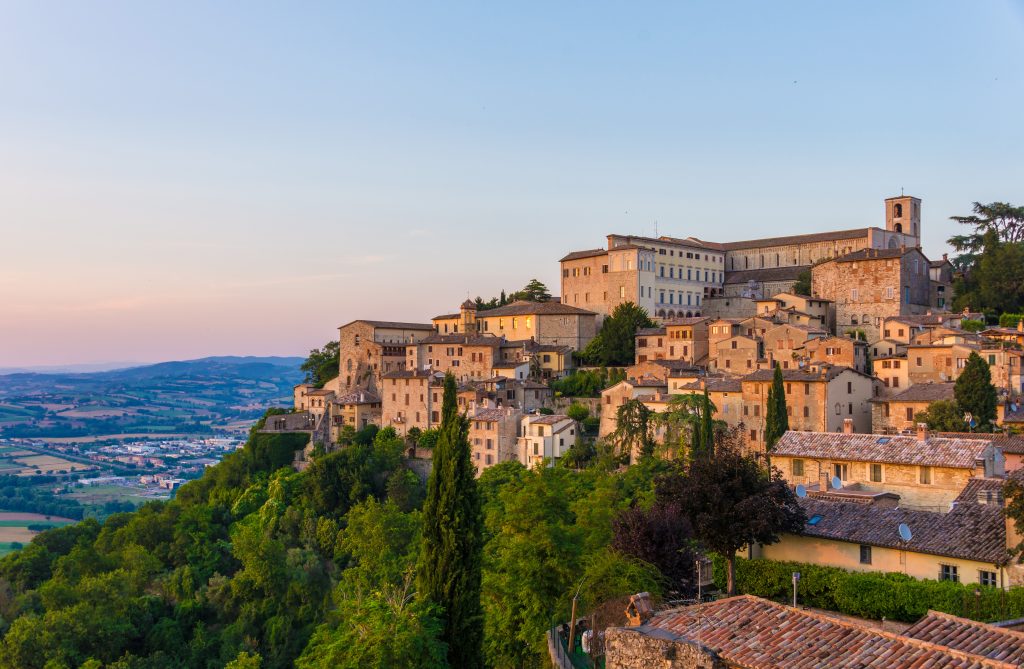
[777, 416]
[587, 382]
[615, 344]
[942, 416]
[322, 364]
[33, 494]
[449, 567]
[533, 291]
[257, 565]
[975, 393]
[873, 595]
[990, 259]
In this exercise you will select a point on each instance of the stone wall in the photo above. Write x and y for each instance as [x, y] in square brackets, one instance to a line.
[629, 648]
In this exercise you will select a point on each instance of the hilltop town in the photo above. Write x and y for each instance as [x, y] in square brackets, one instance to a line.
[857, 324]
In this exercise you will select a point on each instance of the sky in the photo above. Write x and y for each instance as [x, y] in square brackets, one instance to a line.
[182, 179]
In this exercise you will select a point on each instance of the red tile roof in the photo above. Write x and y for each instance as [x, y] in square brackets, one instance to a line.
[972, 637]
[753, 633]
[525, 308]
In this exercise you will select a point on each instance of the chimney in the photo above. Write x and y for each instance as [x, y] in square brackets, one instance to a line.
[824, 482]
[1020, 325]
[945, 256]
[847, 426]
[639, 609]
[922, 431]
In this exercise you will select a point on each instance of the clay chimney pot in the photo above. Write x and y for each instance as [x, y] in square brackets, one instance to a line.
[847, 426]
[922, 432]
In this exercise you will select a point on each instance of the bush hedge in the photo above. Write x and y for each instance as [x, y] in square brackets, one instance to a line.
[1010, 320]
[871, 595]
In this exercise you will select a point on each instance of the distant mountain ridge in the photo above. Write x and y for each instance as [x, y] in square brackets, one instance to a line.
[195, 397]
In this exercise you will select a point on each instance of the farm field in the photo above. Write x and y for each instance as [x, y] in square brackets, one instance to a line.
[14, 528]
[100, 494]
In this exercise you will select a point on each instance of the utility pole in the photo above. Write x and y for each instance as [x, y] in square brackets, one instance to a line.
[796, 579]
[572, 623]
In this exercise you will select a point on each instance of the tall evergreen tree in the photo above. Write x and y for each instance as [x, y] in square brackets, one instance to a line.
[975, 393]
[777, 418]
[704, 430]
[450, 557]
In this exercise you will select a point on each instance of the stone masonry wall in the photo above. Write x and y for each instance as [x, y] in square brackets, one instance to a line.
[631, 649]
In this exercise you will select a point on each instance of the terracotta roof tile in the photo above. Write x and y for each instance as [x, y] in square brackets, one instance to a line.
[577, 255]
[524, 308]
[925, 392]
[394, 325]
[767, 274]
[755, 633]
[895, 449]
[989, 641]
[835, 235]
[1010, 443]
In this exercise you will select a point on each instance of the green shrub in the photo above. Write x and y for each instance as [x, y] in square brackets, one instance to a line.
[1010, 320]
[873, 595]
[971, 325]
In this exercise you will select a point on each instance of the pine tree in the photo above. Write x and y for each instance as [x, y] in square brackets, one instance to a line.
[450, 558]
[975, 393]
[777, 418]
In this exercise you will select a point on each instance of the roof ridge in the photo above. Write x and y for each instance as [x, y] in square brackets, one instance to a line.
[974, 623]
[850, 624]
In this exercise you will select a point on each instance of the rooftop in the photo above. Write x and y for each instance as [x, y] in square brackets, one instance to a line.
[358, 397]
[995, 643]
[577, 255]
[754, 633]
[552, 419]
[874, 254]
[924, 392]
[525, 308]
[894, 449]
[797, 239]
[393, 325]
[463, 340]
[766, 274]
[969, 531]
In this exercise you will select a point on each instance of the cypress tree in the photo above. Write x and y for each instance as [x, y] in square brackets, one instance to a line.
[975, 393]
[703, 445]
[450, 557]
[777, 418]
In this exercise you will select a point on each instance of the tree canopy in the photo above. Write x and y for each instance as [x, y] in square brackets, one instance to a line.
[615, 344]
[975, 393]
[990, 259]
[322, 364]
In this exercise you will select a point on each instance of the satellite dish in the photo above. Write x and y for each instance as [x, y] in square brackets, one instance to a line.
[801, 491]
[836, 483]
[905, 532]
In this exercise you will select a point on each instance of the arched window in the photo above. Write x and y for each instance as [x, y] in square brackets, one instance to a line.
[853, 319]
[897, 210]
[865, 319]
[898, 227]
[348, 364]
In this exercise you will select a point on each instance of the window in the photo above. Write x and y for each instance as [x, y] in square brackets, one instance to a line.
[853, 294]
[987, 578]
[753, 435]
[807, 412]
[622, 291]
[949, 572]
[798, 467]
[910, 413]
[840, 470]
[925, 475]
[876, 472]
[865, 554]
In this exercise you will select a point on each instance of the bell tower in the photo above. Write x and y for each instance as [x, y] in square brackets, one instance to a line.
[903, 214]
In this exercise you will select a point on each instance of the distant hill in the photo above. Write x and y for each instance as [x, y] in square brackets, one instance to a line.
[202, 396]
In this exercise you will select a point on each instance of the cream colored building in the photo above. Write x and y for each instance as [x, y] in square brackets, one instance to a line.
[927, 472]
[550, 323]
[546, 436]
[898, 412]
[411, 398]
[493, 435]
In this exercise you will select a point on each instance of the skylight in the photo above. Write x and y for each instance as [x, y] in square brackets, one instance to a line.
[815, 519]
[883, 440]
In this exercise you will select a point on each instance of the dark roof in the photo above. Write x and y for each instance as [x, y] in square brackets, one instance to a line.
[463, 340]
[576, 255]
[524, 308]
[924, 392]
[690, 320]
[493, 414]
[717, 385]
[874, 254]
[969, 636]
[765, 274]
[548, 419]
[508, 365]
[446, 317]
[969, 531]
[393, 325]
[895, 449]
[797, 239]
[650, 332]
[922, 320]
[1010, 443]
[755, 633]
[823, 372]
[978, 489]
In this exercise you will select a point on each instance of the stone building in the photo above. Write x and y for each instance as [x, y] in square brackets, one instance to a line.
[671, 277]
[615, 396]
[928, 363]
[411, 398]
[818, 399]
[668, 277]
[897, 412]
[784, 343]
[927, 472]
[842, 351]
[549, 323]
[370, 349]
[466, 356]
[739, 355]
[893, 374]
[874, 284]
[357, 409]
[493, 434]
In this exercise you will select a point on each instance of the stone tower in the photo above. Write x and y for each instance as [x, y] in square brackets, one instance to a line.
[903, 214]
